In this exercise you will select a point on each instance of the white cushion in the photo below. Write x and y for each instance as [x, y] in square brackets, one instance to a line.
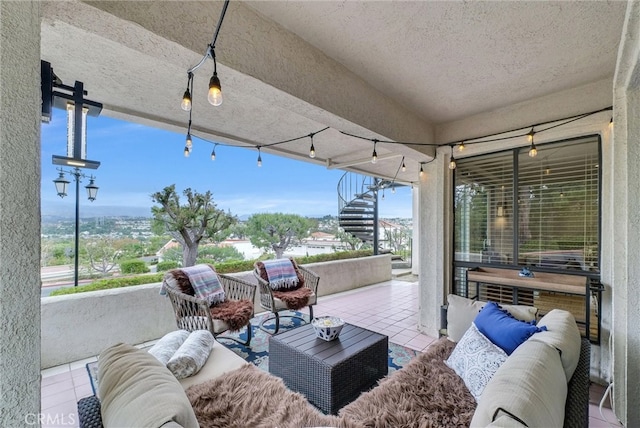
[475, 359]
[192, 354]
[462, 311]
[530, 385]
[221, 360]
[136, 390]
[168, 344]
[562, 333]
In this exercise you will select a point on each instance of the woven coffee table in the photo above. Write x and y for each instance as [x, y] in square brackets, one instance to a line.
[330, 374]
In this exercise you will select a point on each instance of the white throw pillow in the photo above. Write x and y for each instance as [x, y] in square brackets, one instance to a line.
[164, 348]
[475, 359]
[192, 354]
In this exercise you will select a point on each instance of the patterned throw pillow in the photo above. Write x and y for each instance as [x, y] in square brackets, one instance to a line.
[168, 344]
[476, 359]
[192, 355]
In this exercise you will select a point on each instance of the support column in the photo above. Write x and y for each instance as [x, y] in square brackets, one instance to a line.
[435, 251]
[626, 205]
[19, 213]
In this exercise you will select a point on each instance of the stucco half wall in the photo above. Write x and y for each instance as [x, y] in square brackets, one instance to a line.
[79, 326]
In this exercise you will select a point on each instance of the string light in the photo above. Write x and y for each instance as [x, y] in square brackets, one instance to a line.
[186, 151]
[215, 89]
[421, 173]
[393, 188]
[374, 156]
[383, 193]
[312, 150]
[189, 142]
[259, 158]
[461, 146]
[533, 152]
[611, 123]
[452, 160]
[186, 98]
[213, 152]
[404, 167]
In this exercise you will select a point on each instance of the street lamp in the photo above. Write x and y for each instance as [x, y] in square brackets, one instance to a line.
[92, 191]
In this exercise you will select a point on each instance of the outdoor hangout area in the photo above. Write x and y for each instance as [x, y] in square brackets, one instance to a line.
[360, 363]
[512, 125]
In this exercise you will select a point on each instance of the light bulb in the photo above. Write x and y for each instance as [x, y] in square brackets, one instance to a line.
[259, 161]
[312, 152]
[215, 90]
[374, 157]
[461, 146]
[421, 171]
[452, 163]
[186, 152]
[213, 154]
[393, 190]
[186, 101]
[189, 142]
[404, 167]
[611, 123]
[533, 152]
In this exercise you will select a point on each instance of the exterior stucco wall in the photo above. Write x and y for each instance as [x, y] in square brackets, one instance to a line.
[80, 326]
[625, 152]
[19, 212]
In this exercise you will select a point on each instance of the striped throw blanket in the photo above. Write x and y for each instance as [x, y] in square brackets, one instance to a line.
[205, 283]
[281, 274]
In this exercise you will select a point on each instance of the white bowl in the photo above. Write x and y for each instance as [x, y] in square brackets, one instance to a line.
[327, 328]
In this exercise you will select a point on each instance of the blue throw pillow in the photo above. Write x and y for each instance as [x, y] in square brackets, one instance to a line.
[500, 327]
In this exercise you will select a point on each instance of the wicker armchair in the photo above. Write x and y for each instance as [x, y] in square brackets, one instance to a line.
[271, 303]
[193, 313]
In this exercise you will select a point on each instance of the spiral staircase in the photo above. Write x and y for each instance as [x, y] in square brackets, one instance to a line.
[358, 206]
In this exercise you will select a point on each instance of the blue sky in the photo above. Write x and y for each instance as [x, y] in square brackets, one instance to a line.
[138, 160]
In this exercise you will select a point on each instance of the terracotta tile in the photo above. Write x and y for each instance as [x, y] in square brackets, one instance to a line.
[56, 378]
[53, 401]
[57, 388]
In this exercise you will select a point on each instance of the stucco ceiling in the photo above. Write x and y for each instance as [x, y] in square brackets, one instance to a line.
[391, 70]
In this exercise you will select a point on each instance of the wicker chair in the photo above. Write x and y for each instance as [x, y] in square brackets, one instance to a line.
[193, 313]
[275, 305]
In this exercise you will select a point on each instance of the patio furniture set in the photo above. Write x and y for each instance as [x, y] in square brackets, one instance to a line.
[544, 380]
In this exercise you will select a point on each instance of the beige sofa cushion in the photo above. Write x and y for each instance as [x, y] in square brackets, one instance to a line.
[221, 360]
[562, 333]
[462, 311]
[135, 389]
[530, 385]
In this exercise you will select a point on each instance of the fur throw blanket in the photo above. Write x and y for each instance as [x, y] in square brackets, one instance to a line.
[236, 313]
[250, 397]
[294, 299]
[425, 393]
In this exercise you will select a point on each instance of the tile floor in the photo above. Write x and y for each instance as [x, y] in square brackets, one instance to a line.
[390, 308]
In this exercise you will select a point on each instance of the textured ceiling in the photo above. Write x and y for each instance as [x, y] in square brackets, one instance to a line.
[381, 69]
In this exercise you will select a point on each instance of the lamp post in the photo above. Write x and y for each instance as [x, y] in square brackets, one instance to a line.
[92, 191]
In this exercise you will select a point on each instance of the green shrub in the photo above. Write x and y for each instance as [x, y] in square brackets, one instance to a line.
[133, 266]
[226, 267]
[166, 265]
[106, 284]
